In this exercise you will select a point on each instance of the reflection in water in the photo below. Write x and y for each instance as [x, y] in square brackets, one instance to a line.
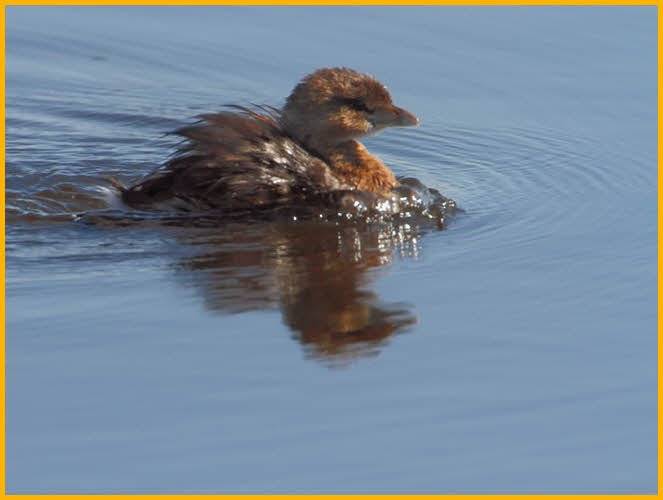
[315, 264]
[318, 274]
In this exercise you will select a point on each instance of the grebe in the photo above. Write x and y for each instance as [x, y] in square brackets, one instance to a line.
[265, 156]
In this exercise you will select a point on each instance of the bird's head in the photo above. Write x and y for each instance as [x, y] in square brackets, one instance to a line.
[334, 105]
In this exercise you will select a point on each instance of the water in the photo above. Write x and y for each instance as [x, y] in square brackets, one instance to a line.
[512, 352]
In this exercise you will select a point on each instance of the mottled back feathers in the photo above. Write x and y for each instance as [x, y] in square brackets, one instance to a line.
[234, 160]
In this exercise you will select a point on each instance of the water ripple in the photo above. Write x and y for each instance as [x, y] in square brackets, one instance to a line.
[532, 181]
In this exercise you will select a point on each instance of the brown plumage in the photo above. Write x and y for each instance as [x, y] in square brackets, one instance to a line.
[263, 156]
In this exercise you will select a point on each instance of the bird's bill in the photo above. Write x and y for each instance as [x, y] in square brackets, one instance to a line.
[393, 116]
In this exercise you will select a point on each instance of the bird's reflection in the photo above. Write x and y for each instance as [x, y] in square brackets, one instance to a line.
[318, 274]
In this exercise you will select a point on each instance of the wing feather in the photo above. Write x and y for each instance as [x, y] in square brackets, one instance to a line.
[239, 159]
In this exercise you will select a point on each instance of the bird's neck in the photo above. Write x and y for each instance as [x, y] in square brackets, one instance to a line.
[347, 158]
[351, 161]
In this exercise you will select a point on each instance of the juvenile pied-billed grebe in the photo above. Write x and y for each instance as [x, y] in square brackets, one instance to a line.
[262, 157]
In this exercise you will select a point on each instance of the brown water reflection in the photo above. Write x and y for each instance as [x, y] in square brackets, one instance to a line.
[318, 274]
[316, 263]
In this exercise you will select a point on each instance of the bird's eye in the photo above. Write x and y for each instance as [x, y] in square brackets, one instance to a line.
[357, 105]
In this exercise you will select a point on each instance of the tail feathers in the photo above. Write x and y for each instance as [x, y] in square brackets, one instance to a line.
[113, 194]
[115, 183]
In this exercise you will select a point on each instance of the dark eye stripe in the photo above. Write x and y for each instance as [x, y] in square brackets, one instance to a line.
[356, 104]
